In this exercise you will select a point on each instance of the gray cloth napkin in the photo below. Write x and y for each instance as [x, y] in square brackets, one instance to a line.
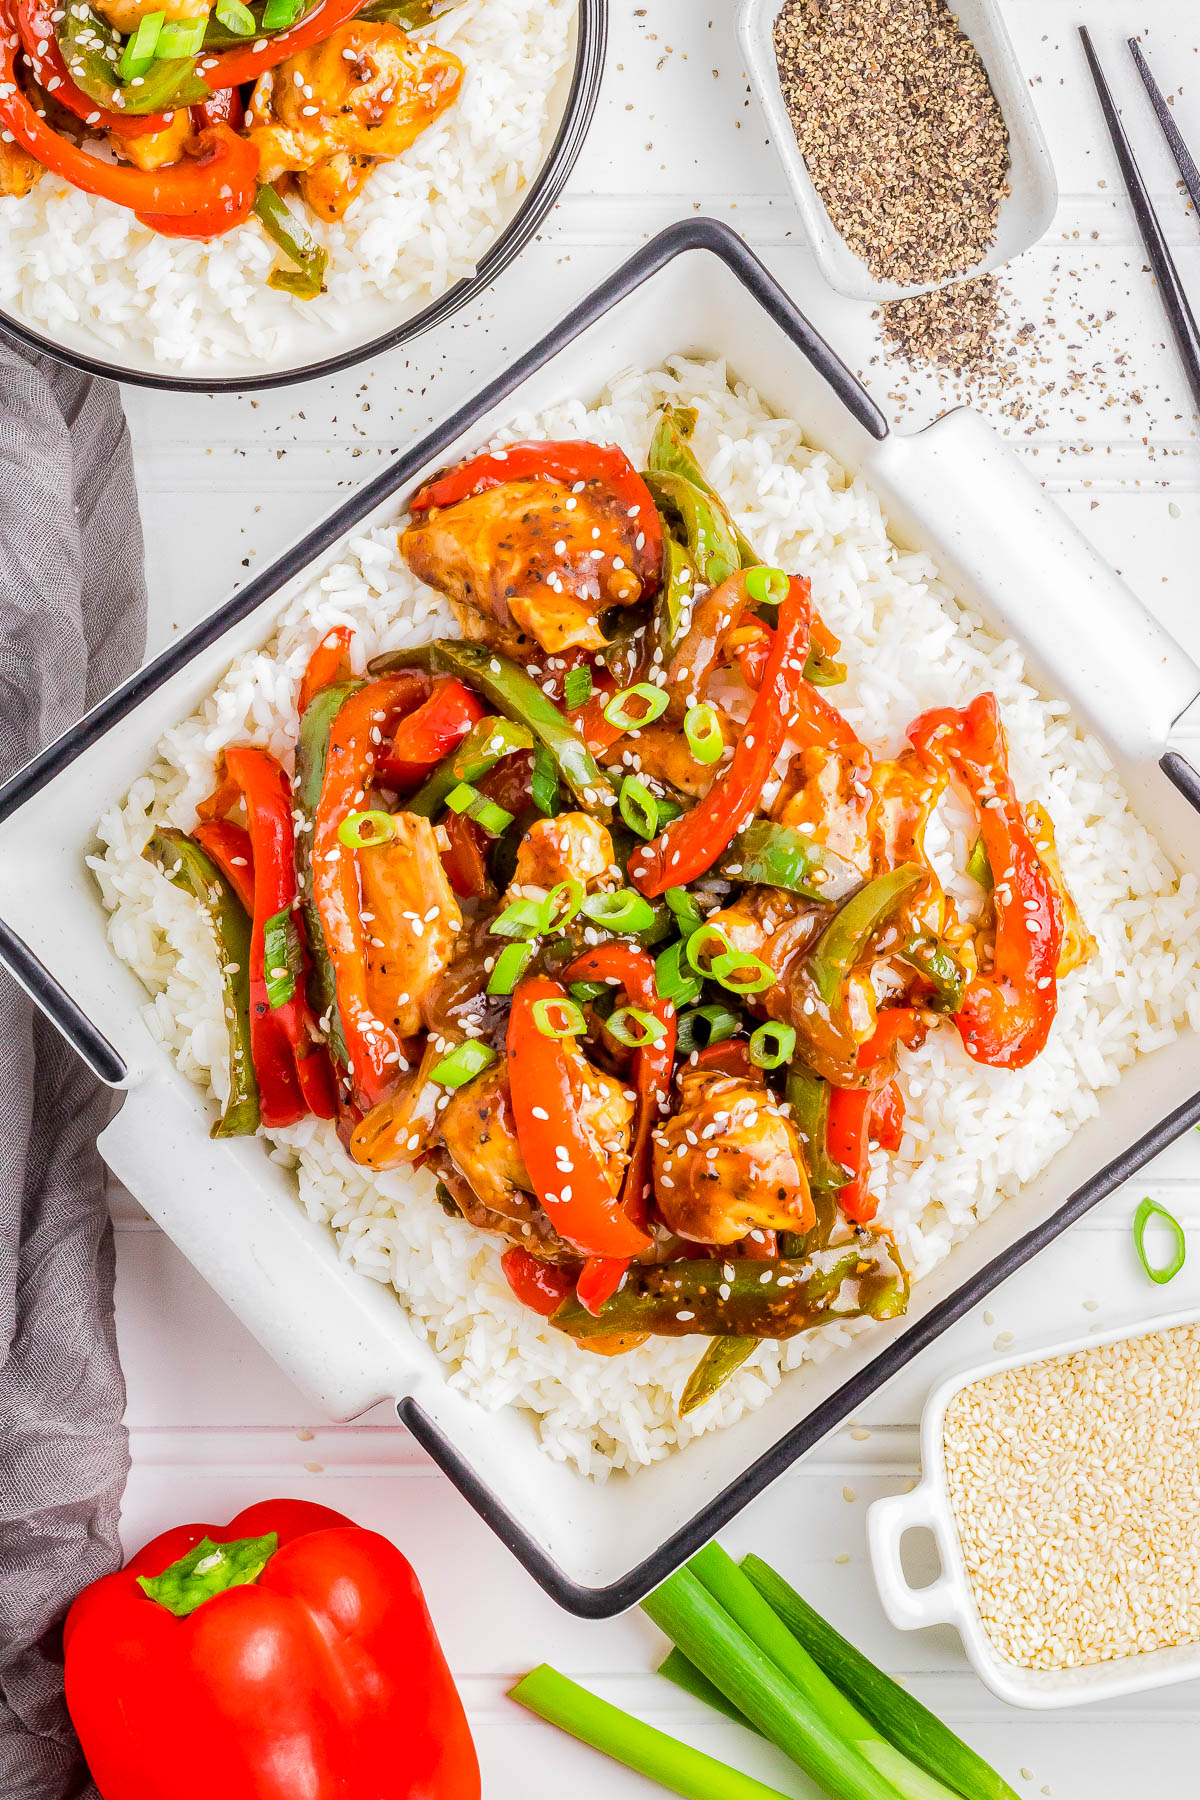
[72, 622]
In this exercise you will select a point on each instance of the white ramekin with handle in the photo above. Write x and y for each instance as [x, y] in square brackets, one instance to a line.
[950, 1599]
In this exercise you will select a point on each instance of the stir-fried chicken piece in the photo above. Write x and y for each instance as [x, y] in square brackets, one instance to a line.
[906, 791]
[403, 1126]
[412, 920]
[18, 171]
[361, 96]
[156, 149]
[729, 1161]
[571, 847]
[126, 15]
[827, 796]
[479, 1133]
[775, 927]
[662, 752]
[531, 555]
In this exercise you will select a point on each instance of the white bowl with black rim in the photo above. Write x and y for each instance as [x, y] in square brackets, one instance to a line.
[954, 489]
[1025, 214]
[321, 345]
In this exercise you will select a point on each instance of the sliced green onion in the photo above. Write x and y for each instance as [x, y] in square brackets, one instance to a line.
[509, 967]
[138, 53]
[577, 688]
[911, 1727]
[624, 911]
[772, 1045]
[587, 991]
[639, 808]
[463, 1064]
[562, 904]
[627, 1740]
[767, 587]
[487, 815]
[543, 783]
[283, 957]
[686, 910]
[236, 18]
[653, 698]
[702, 729]
[179, 38]
[363, 830]
[635, 1028]
[279, 14]
[462, 798]
[558, 1018]
[1150, 1209]
[697, 947]
[672, 981]
[705, 1025]
[520, 919]
[979, 867]
[743, 974]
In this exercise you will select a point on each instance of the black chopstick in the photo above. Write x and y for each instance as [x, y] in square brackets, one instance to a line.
[1175, 301]
[1183, 157]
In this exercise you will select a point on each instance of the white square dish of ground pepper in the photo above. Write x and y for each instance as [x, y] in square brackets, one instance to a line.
[907, 134]
[1062, 1491]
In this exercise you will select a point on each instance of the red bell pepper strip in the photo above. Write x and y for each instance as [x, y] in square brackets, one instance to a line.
[230, 848]
[326, 664]
[894, 1025]
[753, 653]
[692, 844]
[35, 26]
[887, 1117]
[298, 1659]
[425, 736]
[568, 1175]
[605, 464]
[539, 1285]
[227, 108]
[847, 1139]
[463, 860]
[633, 970]
[362, 721]
[218, 178]
[292, 1065]
[730, 1057]
[246, 62]
[1006, 1014]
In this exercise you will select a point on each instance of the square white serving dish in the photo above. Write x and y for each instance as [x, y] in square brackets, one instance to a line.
[1024, 216]
[950, 1600]
[1006, 549]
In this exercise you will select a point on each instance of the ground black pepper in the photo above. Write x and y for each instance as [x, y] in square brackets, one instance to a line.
[899, 129]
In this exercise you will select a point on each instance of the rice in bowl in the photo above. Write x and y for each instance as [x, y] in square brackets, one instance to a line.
[973, 1135]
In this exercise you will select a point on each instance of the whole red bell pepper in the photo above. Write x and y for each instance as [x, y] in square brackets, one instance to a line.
[567, 1173]
[692, 844]
[288, 1655]
[1006, 1013]
[628, 967]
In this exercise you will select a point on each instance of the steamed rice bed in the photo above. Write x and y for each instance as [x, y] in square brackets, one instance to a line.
[973, 1135]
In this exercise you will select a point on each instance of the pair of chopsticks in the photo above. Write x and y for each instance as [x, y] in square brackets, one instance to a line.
[1174, 299]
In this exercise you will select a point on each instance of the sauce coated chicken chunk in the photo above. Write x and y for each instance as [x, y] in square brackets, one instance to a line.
[729, 1161]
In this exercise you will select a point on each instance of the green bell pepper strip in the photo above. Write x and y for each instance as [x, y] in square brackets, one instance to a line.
[503, 682]
[722, 1358]
[762, 1298]
[486, 744]
[671, 453]
[84, 41]
[849, 932]
[978, 866]
[190, 868]
[674, 604]
[702, 522]
[409, 15]
[778, 856]
[808, 1096]
[311, 752]
[307, 280]
[938, 965]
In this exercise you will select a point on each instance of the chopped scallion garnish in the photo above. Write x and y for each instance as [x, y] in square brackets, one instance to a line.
[587, 991]
[520, 919]
[686, 910]
[651, 704]
[635, 1028]
[463, 1064]
[562, 904]
[363, 830]
[509, 967]
[772, 1045]
[543, 783]
[138, 53]
[558, 1018]
[702, 729]
[279, 14]
[766, 587]
[702, 947]
[624, 911]
[236, 18]
[465, 799]
[1148, 1210]
[743, 974]
[672, 981]
[577, 688]
[705, 1025]
[639, 808]
[179, 38]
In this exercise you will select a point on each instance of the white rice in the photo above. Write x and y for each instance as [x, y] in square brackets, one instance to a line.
[84, 271]
[973, 1135]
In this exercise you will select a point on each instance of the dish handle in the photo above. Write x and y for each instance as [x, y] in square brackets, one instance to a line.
[907, 1607]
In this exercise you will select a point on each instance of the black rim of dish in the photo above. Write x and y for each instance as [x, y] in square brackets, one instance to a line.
[585, 1602]
[591, 43]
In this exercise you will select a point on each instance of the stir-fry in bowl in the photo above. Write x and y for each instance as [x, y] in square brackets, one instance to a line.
[652, 950]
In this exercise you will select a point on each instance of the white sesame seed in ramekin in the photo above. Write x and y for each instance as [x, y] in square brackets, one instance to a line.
[1075, 1484]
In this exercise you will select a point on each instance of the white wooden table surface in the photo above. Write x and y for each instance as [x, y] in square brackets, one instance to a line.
[228, 481]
